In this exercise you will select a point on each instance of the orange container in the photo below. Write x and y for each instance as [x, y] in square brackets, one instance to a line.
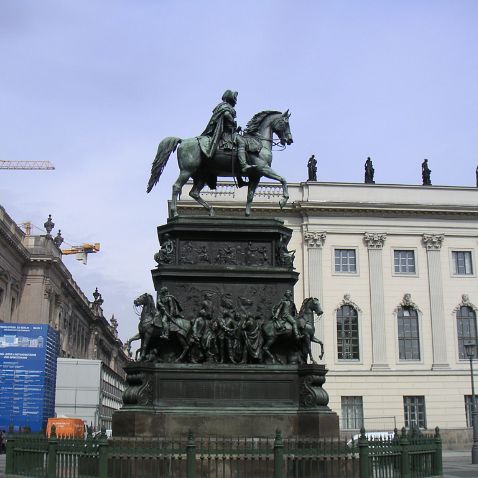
[66, 427]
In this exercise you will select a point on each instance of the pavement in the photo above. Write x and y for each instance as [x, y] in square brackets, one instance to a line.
[456, 464]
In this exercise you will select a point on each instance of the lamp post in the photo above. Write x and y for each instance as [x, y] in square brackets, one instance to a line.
[470, 347]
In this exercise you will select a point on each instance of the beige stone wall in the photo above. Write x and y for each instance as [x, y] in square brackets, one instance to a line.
[345, 212]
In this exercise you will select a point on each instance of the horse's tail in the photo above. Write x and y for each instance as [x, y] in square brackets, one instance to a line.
[165, 148]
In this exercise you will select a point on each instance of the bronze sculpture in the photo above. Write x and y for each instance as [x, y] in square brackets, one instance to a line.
[225, 147]
[312, 168]
[369, 172]
[228, 337]
[426, 171]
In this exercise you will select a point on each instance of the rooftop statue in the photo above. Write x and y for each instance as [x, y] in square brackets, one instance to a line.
[223, 151]
[312, 168]
[426, 171]
[369, 172]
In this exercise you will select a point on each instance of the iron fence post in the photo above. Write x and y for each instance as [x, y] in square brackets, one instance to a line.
[278, 454]
[438, 454]
[51, 457]
[364, 452]
[103, 454]
[10, 454]
[405, 456]
[191, 456]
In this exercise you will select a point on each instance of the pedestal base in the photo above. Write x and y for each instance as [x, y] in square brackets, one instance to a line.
[225, 400]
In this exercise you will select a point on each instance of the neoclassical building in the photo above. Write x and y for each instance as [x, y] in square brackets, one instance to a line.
[395, 268]
[37, 288]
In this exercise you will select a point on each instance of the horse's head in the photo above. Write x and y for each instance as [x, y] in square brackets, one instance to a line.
[143, 299]
[312, 304]
[280, 126]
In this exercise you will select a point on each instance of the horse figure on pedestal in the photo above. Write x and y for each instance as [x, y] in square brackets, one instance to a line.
[193, 163]
[305, 323]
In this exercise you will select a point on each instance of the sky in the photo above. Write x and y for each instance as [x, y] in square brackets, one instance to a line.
[94, 86]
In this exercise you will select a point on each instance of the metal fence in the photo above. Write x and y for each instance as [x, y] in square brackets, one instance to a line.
[407, 455]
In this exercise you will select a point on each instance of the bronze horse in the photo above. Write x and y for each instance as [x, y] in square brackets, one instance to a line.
[150, 334]
[194, 164]
[305, 322]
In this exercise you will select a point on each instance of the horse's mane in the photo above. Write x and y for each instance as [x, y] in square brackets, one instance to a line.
[302, 308]
[256, 121]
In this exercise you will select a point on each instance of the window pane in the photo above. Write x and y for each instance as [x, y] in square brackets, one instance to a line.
[414, 412]
[347, 333]
[404, 262]
[462, 263]
[408, 334]
[345, 260]
[352, 412]
[466, 328]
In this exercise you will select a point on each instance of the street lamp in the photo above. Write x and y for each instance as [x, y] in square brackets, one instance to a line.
[470, 348]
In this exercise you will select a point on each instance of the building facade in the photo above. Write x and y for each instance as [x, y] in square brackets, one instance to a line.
[395, 268]
[37, 288]
[88, 389]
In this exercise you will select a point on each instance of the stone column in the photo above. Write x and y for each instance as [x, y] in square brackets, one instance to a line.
[374, 242]
[433, 243]
[315, 241]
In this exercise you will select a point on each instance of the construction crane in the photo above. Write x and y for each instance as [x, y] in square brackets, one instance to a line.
[82, 251]
[26, 165]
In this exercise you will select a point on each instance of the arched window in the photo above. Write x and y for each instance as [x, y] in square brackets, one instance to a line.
[466, 327]
[408, 334]
[347, 333]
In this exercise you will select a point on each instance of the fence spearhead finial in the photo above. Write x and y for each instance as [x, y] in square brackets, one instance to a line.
[53, 431]
[362, 432]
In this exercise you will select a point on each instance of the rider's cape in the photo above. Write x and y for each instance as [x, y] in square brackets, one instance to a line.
[215, 127]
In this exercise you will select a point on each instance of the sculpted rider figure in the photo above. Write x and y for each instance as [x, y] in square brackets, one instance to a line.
[222, 129]
[286, 311]
[168, 308]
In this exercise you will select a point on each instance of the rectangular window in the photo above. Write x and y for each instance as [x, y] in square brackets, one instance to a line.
[414, 412]
[462, 265]
[345, 261]
[352, 413]
[404, 262]
[408, 334]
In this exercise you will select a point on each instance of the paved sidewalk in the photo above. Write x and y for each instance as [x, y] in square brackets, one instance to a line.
[457, 464]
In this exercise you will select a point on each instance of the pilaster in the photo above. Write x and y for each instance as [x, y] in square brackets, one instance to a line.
[314, 242]
[374, 242]
[433, 243]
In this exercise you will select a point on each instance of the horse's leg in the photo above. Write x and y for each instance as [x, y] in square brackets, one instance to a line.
[268, 172]
[251, 190]
[198, 185]
[266, 346]
[317, 341]
[145, 346]
[184, 344]
[309, 349]
[177, 187]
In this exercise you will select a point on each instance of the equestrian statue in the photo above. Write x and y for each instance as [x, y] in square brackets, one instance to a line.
[223, 150]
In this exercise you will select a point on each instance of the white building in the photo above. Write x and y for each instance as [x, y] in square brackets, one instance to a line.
[394, 267]
[88, 389]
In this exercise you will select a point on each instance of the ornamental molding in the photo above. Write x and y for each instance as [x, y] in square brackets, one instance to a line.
[315, 240]
[374, 240]
[433, 242]
[347, 301]
[407, 303]
[465, 302]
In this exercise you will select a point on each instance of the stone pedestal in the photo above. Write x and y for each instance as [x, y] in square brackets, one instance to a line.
[225, 400]
[223, 255]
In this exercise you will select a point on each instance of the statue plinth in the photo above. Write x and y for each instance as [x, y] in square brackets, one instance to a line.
[225, 366]
[225, 400]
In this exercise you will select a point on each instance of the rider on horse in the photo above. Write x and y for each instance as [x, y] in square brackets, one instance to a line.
[168, 309]
[222, 131]
[286, 311]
